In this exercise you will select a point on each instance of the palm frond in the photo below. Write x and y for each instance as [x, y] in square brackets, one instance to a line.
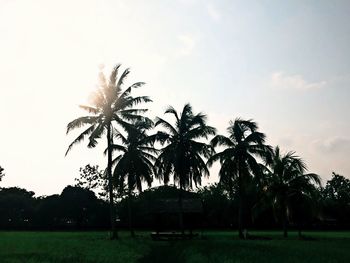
[89, 109]
[221, 140]
[113, 76]
[172, 110]
[122, 78]
[81, 137]
[96, 134]
[166, 125]
[202, 131]
[79, 122]
[133, 86]
[116, 147]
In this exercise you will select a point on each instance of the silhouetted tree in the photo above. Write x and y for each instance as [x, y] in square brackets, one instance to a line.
[183, 153]
[336, 198]
[16, 207]
[110, 105]
[216, 202]
[48, 212]
[92, 178]
[135, 162]
[338, 188]
[75, 208]
[237, 160]
[304, 208]
[287, 183]
[1, 173]
[79, 206]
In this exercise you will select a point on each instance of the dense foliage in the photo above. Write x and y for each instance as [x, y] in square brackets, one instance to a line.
[78, 208]
[75, 208]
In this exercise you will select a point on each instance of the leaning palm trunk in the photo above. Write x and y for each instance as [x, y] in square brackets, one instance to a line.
[114, 233]
[132, 232]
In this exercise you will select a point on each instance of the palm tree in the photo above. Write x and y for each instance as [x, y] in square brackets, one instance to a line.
[110, 105]
[183, 154]
[288, 182]
[135, 162]
[1, 172]
[238, 159]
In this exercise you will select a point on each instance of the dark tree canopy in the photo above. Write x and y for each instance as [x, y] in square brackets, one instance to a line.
[183, 153]
[338, 188]
[336, 199]
[287, 185]
[242, 149]
[134, 163]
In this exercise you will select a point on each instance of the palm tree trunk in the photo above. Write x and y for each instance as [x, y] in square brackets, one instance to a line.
[132, 232]
[299, 229]
[240, 217]
[285, 222]
[240, 204]
[181, 214]
[285, 232]
[231, 199]
[114, 234]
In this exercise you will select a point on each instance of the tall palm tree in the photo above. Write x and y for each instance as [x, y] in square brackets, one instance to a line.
[288, 182]
[238, 159]
[110, 104]
[182, 155]
[135, 162]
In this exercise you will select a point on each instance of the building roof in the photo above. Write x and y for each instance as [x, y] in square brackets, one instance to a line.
[172, 205]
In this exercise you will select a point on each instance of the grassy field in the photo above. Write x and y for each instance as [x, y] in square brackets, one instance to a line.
[213, 247]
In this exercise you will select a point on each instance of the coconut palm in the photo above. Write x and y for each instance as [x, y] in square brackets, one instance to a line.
[238, 159]
[135, 162]
[110, 105]
[1, 172]
[287, 182]
[183, 153]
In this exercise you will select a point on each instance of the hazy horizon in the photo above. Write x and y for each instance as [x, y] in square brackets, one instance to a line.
[286, 65]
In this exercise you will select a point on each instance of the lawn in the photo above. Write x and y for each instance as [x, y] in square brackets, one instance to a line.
[213, 247]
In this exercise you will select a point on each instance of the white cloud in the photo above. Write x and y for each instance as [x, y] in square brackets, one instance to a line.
[188, 43]
[285, 81]
[333, 145]
[213, 12]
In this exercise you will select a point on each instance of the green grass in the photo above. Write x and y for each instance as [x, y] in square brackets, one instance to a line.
[215, 246]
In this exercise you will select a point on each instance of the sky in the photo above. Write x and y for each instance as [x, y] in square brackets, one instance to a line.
[285, 64]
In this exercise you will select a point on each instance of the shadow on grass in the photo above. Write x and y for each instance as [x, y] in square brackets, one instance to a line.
[200, 250]
[42, 257]
[163, 252]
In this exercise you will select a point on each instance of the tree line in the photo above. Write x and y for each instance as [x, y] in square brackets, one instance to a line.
[78, 208]
[255, 179]
[185, 153]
